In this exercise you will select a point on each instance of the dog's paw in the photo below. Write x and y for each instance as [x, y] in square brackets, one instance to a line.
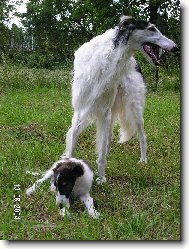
[64, 212]
[142, 160]
[100, 180]
[29, 191]
[94, 215]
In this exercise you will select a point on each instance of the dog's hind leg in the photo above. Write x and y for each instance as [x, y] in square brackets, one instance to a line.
[143, 144]
[142, 135]
[110, 134]
[133, 97]
[103, 124]
[79, 124]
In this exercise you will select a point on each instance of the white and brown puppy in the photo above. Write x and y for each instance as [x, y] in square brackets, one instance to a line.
[69, 175]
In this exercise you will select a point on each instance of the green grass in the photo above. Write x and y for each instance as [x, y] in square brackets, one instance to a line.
[138, 202]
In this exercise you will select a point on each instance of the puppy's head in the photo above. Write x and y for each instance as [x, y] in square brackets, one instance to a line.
[65, 175]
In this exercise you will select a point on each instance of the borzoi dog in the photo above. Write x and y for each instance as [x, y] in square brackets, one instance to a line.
[69, 176]
[107, 86]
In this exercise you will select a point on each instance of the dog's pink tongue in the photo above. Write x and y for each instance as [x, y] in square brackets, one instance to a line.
[151, 54]
[147, 48]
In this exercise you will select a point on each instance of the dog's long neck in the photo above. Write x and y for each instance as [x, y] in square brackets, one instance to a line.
[124, 55]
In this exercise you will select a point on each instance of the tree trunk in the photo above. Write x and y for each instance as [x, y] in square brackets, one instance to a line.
[154, 7]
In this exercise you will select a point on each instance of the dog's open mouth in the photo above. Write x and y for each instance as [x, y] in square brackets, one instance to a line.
[149, 48]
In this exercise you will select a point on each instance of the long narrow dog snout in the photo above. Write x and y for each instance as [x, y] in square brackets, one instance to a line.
[166, 43]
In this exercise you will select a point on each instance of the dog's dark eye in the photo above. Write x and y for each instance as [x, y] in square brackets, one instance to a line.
[152, 29]
[64, 183]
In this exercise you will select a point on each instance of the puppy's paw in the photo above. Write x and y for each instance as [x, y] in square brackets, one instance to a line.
[100, 180]
[94, 215]
[29, 191]
[64, 212]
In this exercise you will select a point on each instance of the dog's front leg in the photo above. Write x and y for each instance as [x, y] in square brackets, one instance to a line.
[63, 203]
[103, 124]
[52, 186]
[33, 188]
[88, 201]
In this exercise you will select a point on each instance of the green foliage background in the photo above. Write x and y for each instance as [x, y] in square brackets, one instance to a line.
[53, 29]
[57, 27]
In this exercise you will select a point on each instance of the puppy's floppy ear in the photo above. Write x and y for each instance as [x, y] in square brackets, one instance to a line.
[125, 28]
[55, 177]
[78, 170]
[55, 172]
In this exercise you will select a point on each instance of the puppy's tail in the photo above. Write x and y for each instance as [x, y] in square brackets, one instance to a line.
[33, 188]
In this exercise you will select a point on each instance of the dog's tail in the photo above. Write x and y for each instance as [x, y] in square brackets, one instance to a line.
[126, 132]
[46, 176]
[127, 123]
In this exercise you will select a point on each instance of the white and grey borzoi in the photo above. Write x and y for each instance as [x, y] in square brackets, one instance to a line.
[107, 86]
[69, 175]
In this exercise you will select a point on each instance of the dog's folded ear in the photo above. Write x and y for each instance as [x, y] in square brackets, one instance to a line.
[78, 170]
[125, 28]
[126, 22]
